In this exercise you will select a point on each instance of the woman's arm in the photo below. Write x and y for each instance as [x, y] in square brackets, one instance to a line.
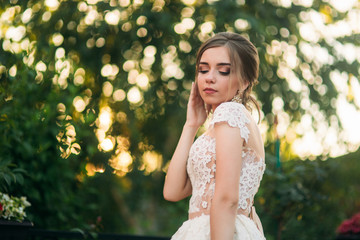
[228, 169]
[177, 183]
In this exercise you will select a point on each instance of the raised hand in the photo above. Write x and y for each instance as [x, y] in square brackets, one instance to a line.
[196, 113]
[177, 184]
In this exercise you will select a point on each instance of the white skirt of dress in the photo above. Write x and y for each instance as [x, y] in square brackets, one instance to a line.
[199, 229]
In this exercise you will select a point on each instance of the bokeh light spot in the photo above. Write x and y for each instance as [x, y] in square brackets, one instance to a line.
[150, 51]
[122, 161]
[107, 145]
[13, 71]
[141, 32]
[185, 46]
[52, 4]
[40, 66]
[113, 17]
[142, 80]
[57, 39]
[107, 89]
[134, 95]
[119, 95]
[79, 104]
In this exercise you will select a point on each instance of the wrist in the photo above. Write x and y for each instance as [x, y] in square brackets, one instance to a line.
[192, 127]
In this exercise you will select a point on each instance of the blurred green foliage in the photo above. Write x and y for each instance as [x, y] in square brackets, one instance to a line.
[62, 64]
[29, 126]
[308, 199]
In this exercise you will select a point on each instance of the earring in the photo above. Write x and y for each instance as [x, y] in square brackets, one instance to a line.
[237, 98]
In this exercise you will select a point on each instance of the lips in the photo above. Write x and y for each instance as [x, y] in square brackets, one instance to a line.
[209, 90]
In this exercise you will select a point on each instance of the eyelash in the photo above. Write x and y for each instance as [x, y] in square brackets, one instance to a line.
[221, 73]
[225, 73]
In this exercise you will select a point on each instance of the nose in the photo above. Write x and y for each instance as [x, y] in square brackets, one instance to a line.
[210, 77]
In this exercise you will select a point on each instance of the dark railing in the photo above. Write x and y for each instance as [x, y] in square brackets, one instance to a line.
[37, 234]
[25, 231]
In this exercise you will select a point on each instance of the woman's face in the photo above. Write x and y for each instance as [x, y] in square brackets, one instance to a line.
[214, 74]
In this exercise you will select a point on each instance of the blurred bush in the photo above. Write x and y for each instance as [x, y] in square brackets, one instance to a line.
[308, 199]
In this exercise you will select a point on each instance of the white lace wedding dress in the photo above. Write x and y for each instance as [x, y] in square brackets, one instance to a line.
[201, 168]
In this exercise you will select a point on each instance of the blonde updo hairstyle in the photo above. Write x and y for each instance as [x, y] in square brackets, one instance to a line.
[244, 60]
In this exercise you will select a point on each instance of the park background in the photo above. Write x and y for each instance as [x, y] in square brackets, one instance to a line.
[93, 97]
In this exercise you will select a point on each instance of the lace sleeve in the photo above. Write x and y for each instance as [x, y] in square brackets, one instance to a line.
[234, 115]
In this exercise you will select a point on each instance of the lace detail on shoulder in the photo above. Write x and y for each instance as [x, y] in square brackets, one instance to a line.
[234, 115]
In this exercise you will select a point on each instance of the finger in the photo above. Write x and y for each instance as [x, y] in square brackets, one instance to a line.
[192, 88]
[195, 92]
[192, 94]
[198, 95]
[196, 88]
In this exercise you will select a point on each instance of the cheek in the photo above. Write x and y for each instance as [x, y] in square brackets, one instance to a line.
[226, 84]
[200, 85]
[234, 84]
[200, 81]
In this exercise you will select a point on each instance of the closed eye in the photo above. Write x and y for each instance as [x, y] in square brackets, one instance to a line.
[224, 73]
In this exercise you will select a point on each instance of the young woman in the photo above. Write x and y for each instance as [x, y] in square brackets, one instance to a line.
[223, 168]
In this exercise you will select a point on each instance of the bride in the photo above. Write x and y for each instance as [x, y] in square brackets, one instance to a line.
[223, 168]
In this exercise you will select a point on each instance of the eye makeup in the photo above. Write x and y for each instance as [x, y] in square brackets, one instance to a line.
[222, 68]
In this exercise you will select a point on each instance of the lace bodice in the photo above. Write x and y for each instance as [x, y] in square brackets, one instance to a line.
[201, 166]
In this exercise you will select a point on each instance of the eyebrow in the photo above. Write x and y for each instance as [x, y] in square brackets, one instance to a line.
[219, 64]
